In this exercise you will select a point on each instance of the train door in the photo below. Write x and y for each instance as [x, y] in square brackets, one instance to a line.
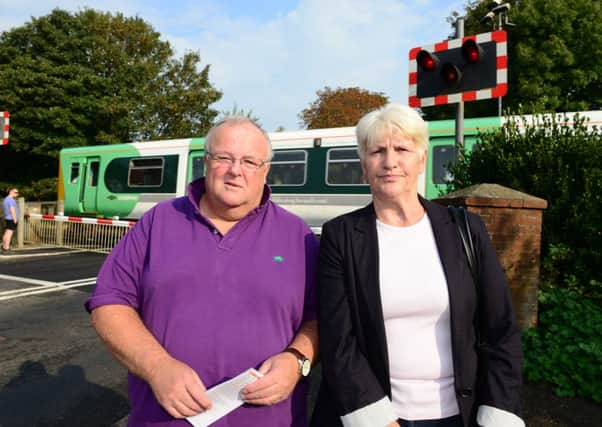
[196, 165]
[442, 155]
[89, 183]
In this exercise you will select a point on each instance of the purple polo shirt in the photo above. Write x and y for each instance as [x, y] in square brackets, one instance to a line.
[220, 304]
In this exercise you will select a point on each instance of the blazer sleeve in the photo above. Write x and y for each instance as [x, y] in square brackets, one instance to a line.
[358, 396]
[501, 359]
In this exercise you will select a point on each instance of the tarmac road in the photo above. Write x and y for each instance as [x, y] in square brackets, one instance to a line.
[54, 370]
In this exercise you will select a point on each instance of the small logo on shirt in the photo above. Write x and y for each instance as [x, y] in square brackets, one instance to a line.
[278, 258]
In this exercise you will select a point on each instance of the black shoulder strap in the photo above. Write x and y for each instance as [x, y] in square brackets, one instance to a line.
[461, 219]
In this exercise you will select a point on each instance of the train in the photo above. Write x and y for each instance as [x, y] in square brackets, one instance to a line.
[315, 174]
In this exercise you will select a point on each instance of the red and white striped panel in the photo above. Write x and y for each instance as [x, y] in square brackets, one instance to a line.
[500, 89]
[5, 125]
[62, 218]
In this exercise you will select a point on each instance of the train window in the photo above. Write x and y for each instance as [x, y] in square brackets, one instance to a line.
[343, 167]
[142, 174]
[146, 172]
[74, 173]
[288, 168]
[94, 173]
[443, 156]
[198, 167]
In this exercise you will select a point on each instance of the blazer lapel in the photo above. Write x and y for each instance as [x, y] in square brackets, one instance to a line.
[450, 253]
[366, 262]
[446, 237]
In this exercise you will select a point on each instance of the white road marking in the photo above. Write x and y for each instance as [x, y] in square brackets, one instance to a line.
[43, 286]
[19, 254]
[27, 280]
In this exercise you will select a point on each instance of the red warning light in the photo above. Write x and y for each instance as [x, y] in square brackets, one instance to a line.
[426, 60]
[471, 51]
[451, 74]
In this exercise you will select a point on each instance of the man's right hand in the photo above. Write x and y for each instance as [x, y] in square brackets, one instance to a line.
[178, 388]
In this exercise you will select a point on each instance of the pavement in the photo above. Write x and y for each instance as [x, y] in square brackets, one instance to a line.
[34, 251]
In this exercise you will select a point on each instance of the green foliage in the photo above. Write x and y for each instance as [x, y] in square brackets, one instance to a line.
[236, 111]
[565, 349]
[93, 78]
[340, 107]
[559, 267]
[41, 190]
[554, 56]
[558, 162]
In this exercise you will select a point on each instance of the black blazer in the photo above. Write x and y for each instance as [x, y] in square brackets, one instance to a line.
[355, 366]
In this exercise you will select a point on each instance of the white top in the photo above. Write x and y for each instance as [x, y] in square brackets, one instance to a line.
[415, 304]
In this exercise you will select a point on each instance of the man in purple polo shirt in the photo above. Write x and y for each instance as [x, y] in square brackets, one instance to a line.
[209, 285]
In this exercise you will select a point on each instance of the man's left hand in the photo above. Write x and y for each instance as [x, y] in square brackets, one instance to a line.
[281, 374]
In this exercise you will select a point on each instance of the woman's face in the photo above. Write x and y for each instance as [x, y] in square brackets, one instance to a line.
[392, 164]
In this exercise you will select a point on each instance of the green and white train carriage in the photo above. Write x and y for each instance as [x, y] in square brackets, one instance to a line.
[125, 180]
[314, 173]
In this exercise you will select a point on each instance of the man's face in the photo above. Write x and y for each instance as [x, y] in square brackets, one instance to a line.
[236, 186]
[14, 193]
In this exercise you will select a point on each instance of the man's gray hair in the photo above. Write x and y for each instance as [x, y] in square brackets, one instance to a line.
[234, 121]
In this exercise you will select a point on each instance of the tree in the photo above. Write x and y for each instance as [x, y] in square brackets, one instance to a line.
[236, 111]
[560, 163]
[554, 56]
[93, 78]
[340, 107]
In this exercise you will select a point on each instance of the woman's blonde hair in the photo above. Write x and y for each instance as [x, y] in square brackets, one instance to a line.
[392, 118]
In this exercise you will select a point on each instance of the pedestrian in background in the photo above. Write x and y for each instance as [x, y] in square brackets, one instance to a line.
[11, 217]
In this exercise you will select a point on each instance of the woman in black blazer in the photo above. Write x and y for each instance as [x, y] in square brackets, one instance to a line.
[398, 306]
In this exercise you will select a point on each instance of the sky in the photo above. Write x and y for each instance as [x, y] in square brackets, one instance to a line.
[270, 57]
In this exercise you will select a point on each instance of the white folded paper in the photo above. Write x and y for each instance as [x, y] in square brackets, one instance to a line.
[225, 398]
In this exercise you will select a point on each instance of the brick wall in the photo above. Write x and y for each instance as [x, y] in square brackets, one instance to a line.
[513, 220]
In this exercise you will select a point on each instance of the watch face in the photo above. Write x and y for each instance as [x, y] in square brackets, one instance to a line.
[305, 367]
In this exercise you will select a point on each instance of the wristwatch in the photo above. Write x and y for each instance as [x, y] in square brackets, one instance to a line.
[304, 362]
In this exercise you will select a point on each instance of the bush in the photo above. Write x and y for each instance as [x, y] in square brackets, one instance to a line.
[566, 347]
[558, 265]
[558, 162]
[44, 189]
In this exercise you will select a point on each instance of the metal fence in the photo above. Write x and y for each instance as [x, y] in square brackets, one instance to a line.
[91, 234]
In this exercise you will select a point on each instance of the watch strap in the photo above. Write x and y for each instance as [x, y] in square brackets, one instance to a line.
[300, 356]
[304, 362]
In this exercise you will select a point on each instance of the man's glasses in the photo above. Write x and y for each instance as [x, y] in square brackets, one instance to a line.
[249, 164]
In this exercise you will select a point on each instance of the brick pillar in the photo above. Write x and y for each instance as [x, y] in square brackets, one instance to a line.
[513, 220]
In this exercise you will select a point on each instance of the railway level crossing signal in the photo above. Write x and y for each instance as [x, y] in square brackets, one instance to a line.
[464, 69]
[4, 121]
